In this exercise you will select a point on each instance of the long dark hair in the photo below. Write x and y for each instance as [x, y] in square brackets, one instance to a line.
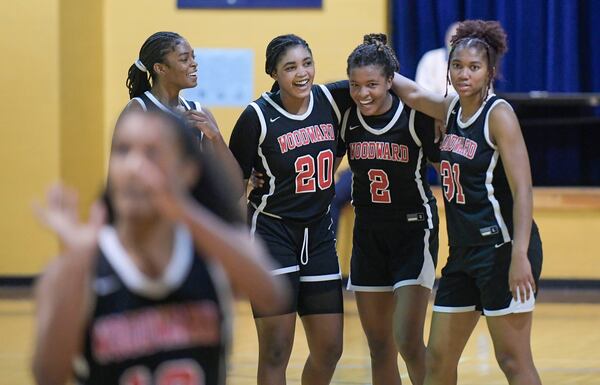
[153, 51]
[212, 189]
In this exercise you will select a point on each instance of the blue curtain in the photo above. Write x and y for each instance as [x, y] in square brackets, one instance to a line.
[553, 45]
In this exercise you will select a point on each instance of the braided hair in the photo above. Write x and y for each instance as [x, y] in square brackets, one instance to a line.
[374, 51]
[153, 51]
[277, 48]
[484, 35]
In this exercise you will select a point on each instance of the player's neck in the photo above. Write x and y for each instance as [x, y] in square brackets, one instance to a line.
[149, 244]
[294, 105]
[169, 96]
[469, 106]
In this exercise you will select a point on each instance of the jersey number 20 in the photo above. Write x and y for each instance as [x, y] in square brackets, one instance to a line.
[175, 372]
[305, 169]
[451, 181]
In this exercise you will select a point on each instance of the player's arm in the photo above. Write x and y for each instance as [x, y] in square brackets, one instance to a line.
[421, 99]
[505, 131]
[62, 297]
[214, 143]
[63, 292]
[244, 260]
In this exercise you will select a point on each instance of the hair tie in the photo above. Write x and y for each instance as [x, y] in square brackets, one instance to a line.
[138, 63]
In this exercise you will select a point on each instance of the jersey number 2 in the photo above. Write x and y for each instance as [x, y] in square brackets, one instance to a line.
[451, 181]
[379, 186]
[305, 168]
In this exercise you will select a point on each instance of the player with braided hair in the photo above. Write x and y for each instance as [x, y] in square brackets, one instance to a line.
[495, 248]
[166, 65]
[395, 239]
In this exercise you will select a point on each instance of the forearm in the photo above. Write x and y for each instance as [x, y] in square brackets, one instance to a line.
[62, 299]
[244, 260]
[522, 219]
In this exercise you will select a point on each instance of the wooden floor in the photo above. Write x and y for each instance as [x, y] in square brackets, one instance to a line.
[566, 345]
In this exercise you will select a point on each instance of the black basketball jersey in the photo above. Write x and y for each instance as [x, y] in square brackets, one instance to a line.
[476, 193]
[295, 153]
[149, 102]
[388, 157]
[142, 331]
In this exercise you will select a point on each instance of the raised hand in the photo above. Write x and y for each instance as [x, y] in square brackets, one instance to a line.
[60, 215]
[204, 122]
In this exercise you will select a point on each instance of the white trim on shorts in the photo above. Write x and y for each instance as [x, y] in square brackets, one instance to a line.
[515, 306]
[454, 309]
[285, 270]
[320, 278]
[368, 289]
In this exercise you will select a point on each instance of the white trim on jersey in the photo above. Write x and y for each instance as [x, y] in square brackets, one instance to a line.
[283, 112]
[418, 177]
[388, 126]
[345, 124]
[157, 102]
[450, 108]
[320, 278]
[285, 270]
[474, 117]
[332, 101]
[426, 277]
[489, 176]
[486, 127]
[451, 309]
[173, 276]
[264, 212]
[140, 101]
[263, 134]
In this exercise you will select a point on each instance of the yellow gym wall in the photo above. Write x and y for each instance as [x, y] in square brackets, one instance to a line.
[30, 145]
[61, 97]
[332, 32]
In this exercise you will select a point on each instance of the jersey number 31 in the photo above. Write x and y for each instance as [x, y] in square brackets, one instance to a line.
[306, 181]
[451, 181]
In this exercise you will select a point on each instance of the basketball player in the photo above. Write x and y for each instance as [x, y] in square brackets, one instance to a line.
[495, 248]
[167, 65]
[145, 300]
[395, 239]
[289, 135]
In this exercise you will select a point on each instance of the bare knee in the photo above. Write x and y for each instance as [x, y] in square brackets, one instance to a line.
[276, 353]
[381, 348]
[327, 354]
[409, 346]
[509, 363]
[436, 360]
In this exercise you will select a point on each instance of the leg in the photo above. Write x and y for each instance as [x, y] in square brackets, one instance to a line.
[511, 337]
[275, 340]
[447, 339]
[324, 336]
[409, 318]
[376, 311]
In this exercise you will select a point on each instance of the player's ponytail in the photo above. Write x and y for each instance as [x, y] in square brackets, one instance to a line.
[153, 51]
[374, 51]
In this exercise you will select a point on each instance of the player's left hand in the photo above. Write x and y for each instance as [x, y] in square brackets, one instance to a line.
[520, 278]
[60, 215]
[440, 131]
[203, 122]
